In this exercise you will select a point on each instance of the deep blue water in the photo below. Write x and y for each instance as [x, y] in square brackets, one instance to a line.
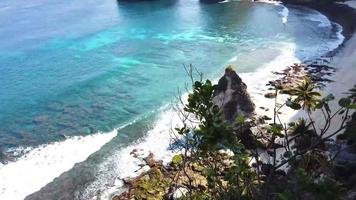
[77, 67]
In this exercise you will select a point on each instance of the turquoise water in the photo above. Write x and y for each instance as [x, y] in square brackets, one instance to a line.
[76, 68]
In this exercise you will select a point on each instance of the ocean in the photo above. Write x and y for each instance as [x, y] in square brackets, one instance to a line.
[83, 83]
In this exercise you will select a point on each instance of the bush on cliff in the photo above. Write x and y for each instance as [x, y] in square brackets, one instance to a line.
[250, 159]
[294, 163]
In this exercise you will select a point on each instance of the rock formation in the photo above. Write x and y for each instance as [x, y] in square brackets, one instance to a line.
[231, 96]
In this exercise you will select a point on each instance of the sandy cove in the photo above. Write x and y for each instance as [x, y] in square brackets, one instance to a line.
[344, 78]
[344, 61]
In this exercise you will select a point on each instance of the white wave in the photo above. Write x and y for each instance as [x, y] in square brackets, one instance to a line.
[123, 165]
[158, 139]
[233, 59]
[225, 1]
[332, 41]
[284, 13]
[126, 165]
[340, 37]
[256, 81]
[41, 165]
[269, 2]
[316, 16]
[351, 4]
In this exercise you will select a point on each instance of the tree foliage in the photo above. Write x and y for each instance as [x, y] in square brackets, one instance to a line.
[288, 161]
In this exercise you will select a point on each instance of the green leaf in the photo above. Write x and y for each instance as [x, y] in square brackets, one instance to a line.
[240, 119]
[177, 159]
[344, 102]
[342, 112]
[293, 105]
[319, 104]
[327, 107]
[351, 106]
[330, 97]
[282, 196]
[276, 128]
[216, 109]
[197, 84]
[208, 172]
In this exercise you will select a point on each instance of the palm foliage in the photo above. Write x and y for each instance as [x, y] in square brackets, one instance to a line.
[306, 94]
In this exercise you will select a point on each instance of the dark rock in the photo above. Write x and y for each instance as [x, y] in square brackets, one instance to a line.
[280, 173]
[270, 152]
[137, 153]
[231, 96]
[62, 136]
[151, 162]
[247, 138]
[265, 117]
[270, 95]
[3, 157]
[266, 168]
[124, 196]
[347, 156]
[345, 162]
[350, 133]
[261, 120]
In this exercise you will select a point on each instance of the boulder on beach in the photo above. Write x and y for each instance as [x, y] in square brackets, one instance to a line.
[231, 96]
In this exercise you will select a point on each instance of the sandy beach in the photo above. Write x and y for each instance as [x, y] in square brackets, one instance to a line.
[344, 62]
[351, 4]
[344, 79]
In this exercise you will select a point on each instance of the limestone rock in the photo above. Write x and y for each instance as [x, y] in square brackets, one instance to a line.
[231, 96]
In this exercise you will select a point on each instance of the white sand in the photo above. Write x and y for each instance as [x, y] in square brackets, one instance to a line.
[351, 4]
[345, 78]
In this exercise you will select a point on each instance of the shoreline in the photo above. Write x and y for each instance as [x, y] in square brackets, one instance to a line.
[344, 42]
[335, 12]
[343, 58]
[338, 13]
[337, 52]
[344, 79]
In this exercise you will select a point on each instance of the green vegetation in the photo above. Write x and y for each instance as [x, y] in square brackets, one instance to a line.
[150, 186]
[282, 161]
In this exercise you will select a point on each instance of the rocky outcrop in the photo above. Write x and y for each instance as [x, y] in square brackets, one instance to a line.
[170, 181]
[231, 96]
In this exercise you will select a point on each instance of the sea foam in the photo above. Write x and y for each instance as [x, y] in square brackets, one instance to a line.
[41, 165]
[158, 139]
